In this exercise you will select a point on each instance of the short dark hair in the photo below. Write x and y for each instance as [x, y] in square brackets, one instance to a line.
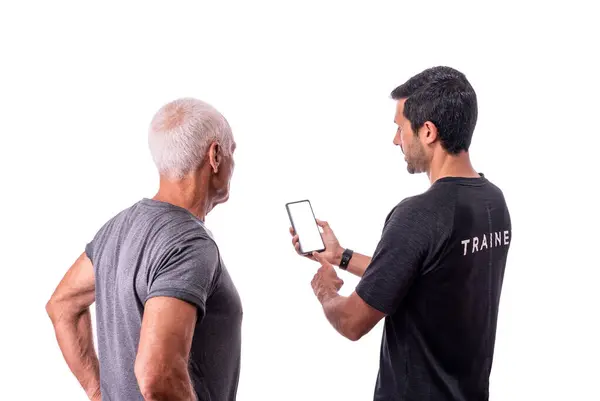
[445, 97]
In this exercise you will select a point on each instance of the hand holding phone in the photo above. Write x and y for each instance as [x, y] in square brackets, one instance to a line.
[305, 226]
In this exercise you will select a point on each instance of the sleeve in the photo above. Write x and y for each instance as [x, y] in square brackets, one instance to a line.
[187, 272]
[89, 250]
[398, 258]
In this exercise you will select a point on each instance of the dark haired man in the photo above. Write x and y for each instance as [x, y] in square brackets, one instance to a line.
[436, 274]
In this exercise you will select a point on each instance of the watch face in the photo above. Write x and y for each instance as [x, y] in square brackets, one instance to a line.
[345, 258]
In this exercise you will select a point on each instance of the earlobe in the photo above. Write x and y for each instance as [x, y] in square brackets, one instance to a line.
[214, 157]
[431, 133]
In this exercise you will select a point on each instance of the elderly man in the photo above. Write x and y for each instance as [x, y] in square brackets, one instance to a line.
[168, 314]
[436, 275]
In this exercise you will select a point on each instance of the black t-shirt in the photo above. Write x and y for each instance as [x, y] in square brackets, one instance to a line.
[437, 274]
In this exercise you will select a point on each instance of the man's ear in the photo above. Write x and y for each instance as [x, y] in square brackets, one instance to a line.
[429, 133]
[214, 156]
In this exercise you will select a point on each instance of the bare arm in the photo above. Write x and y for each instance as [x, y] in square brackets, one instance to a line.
[161, 366]
[358, 264]
[333, 250]
[69, 311]
[350, 316]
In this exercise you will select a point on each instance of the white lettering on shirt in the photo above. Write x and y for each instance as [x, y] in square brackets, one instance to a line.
[498, 237]
[465, 242]
[483, 242]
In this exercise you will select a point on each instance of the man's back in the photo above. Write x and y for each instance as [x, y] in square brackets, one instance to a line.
[440, 331]
[157, 249]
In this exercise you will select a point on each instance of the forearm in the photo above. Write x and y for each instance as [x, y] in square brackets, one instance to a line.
[337, 313]
[357, 265]
[75, 339]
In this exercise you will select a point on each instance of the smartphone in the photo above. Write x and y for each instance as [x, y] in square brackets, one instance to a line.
[305, 225]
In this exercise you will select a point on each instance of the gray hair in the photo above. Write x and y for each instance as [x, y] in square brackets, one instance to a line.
[181, 133]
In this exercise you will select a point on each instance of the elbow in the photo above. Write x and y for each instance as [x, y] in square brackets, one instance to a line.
[149, 384]
[52, 310]
[155, 384]
[354, 335]
[151, 392]
[60, 311]
[353, 332]
[64, 310]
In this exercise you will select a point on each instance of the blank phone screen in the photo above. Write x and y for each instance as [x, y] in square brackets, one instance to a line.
[305, 226]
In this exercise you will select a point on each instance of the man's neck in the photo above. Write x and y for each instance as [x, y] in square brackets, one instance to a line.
[184, 194]
[451, 166]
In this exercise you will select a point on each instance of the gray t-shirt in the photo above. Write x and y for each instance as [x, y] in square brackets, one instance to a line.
[157, 249]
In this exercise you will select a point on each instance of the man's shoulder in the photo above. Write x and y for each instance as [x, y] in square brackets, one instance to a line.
[166, 224]
[176, 229]
[116, 220]
[431, 211]
[439, 205]
[429, 204]
[441, 198]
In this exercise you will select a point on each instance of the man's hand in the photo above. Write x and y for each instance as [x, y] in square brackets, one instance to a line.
[333, 250]
[350, 316]
[69, 311]
[326, 282]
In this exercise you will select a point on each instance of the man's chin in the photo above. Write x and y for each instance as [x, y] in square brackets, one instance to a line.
[412, 170]
[222, 200]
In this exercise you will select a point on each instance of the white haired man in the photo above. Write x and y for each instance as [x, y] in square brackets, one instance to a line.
[168, 314]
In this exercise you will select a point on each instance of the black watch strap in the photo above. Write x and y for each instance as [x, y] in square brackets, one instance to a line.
[346, 256]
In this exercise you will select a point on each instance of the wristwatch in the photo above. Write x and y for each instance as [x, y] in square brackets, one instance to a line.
[346, 256]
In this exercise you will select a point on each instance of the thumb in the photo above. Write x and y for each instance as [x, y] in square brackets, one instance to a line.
[323, 224]
[319, 258]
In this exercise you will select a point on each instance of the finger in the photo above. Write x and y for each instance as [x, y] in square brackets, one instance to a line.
[297, 248]
[321, 259]
[318, 257]
[323, 224]
[292, 231]
[295, 240]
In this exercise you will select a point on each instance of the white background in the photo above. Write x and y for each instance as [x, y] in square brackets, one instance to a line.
[306, 88]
